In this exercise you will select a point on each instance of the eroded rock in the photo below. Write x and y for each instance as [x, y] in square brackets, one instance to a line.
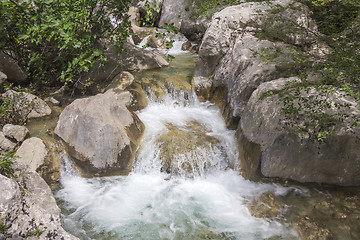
[6, 144]
[101, 134]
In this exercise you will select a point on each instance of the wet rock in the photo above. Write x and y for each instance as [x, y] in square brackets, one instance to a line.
[179, 144]
[194, 30]
[28, 105]
[101, 134]
[19, 133]
[28, 208]
[266, 206]
[139, 97]
[309, 229]
[40, 158]
[6, 144]
[186, 46]
[12, 70]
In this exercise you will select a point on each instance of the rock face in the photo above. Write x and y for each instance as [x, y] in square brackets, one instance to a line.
[334, 161]
[19, 133]
[28, 105]
[11, 69]
[230, 68]
[102, 135]
[28, 209]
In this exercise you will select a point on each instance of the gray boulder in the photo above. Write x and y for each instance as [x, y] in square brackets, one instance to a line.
[19, 133]
[5, 143]
[28, 208]
[28, 105]
[34, 153]
[11, 69]
[101, 134]
[278, 151]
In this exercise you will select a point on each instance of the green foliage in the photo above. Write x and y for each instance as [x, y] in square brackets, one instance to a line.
[59, 39]
[37, 232]
[6, 161]
[148, 19]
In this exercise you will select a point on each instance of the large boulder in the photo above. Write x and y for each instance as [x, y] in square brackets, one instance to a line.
[28, 208]
[101, 134]
[279, 150]
[27, 105]
[12, 70]
[227, 55]
[34, 153]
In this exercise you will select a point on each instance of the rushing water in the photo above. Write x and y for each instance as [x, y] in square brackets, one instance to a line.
[185, 182]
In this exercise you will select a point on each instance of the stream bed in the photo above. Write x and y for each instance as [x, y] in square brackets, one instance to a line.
[185, 182]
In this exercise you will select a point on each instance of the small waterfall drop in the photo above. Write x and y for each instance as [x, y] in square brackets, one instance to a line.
[185, 183]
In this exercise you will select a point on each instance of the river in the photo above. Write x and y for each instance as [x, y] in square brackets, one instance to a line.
[185, 182]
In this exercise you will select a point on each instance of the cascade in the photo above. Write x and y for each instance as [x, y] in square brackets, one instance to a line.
[185, 183]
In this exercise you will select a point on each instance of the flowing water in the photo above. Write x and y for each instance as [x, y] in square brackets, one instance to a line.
[185, 183]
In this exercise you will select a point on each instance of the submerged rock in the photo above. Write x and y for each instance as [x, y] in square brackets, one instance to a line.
[309, 229]
[101, 134]
[266, 206]
[28, 209]
[179, 146]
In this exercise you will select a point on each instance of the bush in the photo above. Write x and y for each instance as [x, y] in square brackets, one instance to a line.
[57, 40]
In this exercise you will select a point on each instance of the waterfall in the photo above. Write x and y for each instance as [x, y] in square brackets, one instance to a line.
[185, 183]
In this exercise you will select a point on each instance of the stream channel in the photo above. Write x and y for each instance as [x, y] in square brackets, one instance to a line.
[185, 182]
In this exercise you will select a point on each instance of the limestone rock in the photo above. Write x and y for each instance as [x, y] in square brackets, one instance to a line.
[28, 105]
[19, 133]
[29, 207]
[173, 12]
[12, 70]
[52, 100]
[102, 135]
[286, 154]
[34, 153]
[5, 143]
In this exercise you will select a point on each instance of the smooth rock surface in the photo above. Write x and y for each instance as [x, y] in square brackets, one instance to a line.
[102, 135]
[19, 133]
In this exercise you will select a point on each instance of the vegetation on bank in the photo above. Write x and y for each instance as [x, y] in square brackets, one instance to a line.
[57, 40]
